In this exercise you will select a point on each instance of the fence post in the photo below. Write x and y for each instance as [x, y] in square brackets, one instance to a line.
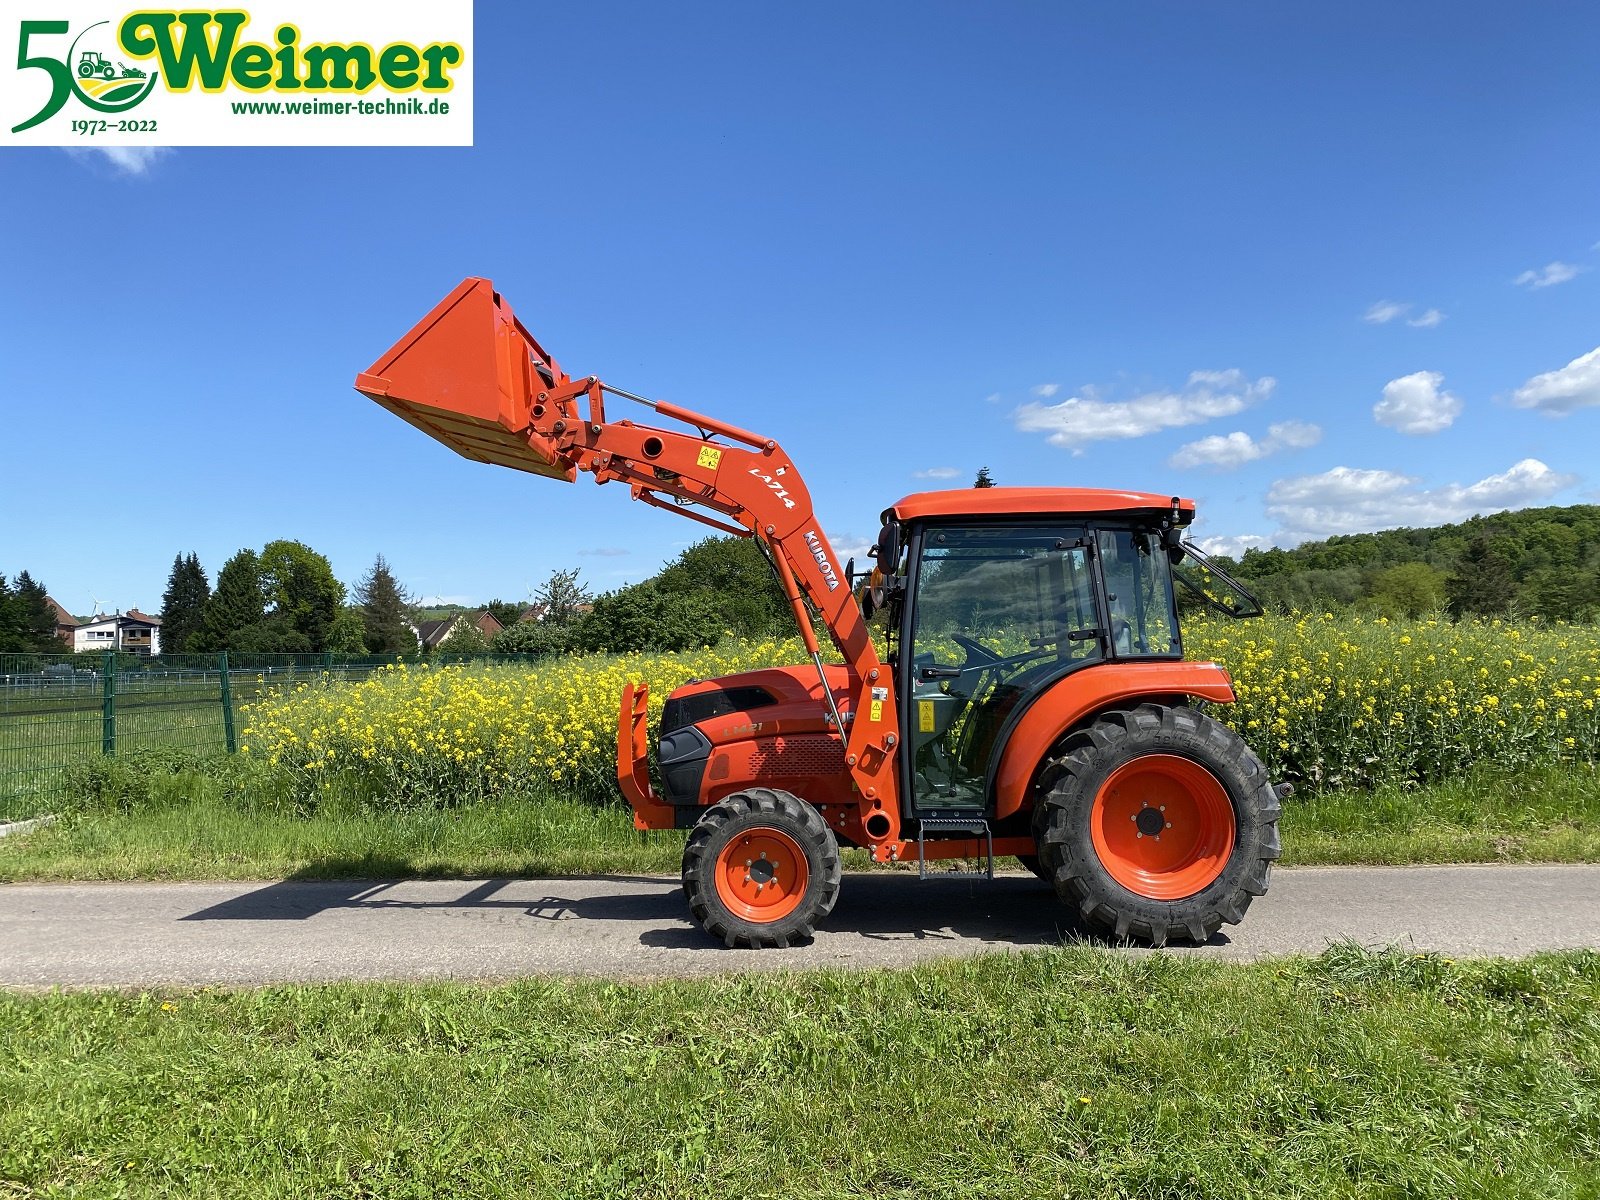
[108, 705]
[227, 704]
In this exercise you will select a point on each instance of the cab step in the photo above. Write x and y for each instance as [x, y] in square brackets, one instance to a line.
[940, 827]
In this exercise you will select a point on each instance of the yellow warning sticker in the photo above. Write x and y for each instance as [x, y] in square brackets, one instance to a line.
[877, 710]
[924, 716]
[710, 456]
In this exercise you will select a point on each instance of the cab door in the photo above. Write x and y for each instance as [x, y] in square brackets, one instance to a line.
[995, 612]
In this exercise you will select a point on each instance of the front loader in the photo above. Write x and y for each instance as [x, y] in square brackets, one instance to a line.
[1032, 700]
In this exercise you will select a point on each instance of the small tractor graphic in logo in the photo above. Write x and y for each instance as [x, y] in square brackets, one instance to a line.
[103, 84]
[95, 63]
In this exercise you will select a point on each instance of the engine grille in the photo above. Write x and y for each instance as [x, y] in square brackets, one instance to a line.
[799, 756]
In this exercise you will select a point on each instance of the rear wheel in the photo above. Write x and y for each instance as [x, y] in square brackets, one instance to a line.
[761, 868]
[1156, 823]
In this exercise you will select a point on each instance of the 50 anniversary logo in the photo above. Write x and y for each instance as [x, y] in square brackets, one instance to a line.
[216, 70]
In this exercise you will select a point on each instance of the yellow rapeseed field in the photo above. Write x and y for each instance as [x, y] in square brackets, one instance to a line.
[1327, 701]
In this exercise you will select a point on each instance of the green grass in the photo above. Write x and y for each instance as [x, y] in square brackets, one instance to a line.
[211, 838]
[1545, 815]
[1061, 1073]
[236, 824]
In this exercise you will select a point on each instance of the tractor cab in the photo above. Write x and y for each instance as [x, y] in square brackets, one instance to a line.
[996, 596]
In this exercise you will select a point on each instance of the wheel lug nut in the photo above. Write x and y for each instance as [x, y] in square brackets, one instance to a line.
[1169, 824]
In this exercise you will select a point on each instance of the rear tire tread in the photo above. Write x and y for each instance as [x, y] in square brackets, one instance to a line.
[1068, 781]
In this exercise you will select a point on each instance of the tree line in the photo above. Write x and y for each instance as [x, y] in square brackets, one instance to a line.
[27, 622]
[283, 599]
[1542, 562]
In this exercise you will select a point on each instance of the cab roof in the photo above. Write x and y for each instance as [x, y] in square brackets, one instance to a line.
[1033, 501]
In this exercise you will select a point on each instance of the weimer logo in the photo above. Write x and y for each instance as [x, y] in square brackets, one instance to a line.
[231, 77]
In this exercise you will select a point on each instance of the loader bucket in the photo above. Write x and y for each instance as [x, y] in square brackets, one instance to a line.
[467, 375]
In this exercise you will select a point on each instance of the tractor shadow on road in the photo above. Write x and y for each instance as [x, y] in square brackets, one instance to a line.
[1011, 910]
[1008, 911]
[300, 899]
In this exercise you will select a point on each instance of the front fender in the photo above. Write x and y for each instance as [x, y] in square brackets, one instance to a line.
[1072, 700]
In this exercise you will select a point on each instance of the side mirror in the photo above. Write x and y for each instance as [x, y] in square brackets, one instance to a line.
[1172, 540]
[889, 547]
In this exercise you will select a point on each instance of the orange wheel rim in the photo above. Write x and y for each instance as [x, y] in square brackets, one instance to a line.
[762, 875]
[1163, 826]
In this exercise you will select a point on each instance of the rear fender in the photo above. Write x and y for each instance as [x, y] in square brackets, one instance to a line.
[1078, 697]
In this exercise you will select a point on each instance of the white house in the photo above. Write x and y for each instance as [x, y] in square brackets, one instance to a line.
[131, 632]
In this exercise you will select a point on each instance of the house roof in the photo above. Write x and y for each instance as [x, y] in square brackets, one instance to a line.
[433, 632]
[63, 617]
[133, 614]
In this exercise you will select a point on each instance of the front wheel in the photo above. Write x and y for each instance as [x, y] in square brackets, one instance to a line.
[761, 868]
[1156, 823]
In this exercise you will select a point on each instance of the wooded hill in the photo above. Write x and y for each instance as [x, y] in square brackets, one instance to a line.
[1535, 562]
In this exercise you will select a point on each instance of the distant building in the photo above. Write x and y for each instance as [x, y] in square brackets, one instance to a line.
[433, 634]
[132, 632]
[539, 611]
[66, 623]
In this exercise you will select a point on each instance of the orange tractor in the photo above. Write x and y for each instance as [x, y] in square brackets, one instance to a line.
[1032, 698]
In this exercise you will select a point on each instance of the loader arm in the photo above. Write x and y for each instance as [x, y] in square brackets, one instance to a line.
[471, 376]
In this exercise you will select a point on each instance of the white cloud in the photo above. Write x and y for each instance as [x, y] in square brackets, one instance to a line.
[992, 398]
[1385, 311]
[1576, 385]
[1227, 451]
[1548, 275]
[1047, 390]
[1349, 500]
[126, 160]
[937, 473]
[1415, 404]
[603, 552]
[1087, 418]
[851, 545]
[1234, 547]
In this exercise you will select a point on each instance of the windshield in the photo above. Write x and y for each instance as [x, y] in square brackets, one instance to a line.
[998, 612]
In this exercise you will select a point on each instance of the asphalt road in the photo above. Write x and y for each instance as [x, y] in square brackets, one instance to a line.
[146, 934]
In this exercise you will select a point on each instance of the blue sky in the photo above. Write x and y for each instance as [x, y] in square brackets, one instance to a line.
[1323, 269]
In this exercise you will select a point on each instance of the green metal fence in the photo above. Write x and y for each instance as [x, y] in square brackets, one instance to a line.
[61, 709]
